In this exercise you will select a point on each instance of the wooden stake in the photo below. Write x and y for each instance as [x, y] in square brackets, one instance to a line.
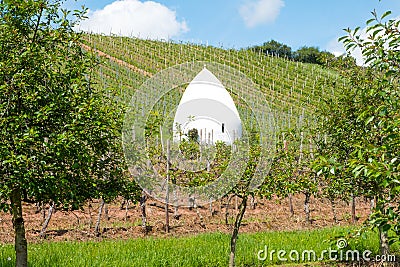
[162, 142]
[97, 226]
[167, 191]
[46, 222]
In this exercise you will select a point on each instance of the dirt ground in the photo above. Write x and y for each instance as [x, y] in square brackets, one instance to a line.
[122, 223]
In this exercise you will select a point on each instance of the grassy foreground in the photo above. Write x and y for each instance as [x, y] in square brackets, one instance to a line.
[201, 250]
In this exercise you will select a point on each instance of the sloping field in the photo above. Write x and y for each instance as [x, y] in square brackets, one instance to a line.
[292, 89]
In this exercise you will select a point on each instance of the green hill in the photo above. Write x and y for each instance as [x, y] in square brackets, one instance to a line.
[292, 89]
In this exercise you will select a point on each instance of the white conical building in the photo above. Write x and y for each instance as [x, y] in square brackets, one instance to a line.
[207, 106]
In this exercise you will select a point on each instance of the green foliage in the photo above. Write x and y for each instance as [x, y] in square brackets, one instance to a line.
[381, 48]
[304, 54]
[152, 127]
[243, 187]
[222, 155]
[341, 62]
[312, 55]
[129, 189]
[334, 182]
[362, 126]
[290, 172]
[190, 149]
[280, 180]
[59, 134]
[193, 135]
[307, 54]
[274, 48]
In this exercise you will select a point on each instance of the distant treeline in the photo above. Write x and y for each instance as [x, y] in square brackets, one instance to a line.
[304, 54]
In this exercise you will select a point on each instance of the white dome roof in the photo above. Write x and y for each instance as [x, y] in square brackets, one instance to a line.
[207, 106]
[206, 86]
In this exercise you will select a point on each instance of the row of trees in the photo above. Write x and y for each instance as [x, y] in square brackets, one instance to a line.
[305, 54]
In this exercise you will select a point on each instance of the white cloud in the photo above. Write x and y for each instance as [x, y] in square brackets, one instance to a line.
[337, 48]
[135, 18]
[256, 12]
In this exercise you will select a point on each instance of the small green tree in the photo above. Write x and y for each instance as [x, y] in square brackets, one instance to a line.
[193, 135]
[290, 172]
[243, 190]
[59, 134]
[190, 147]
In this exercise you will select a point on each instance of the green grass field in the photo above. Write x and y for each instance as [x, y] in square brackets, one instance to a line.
[201, 250]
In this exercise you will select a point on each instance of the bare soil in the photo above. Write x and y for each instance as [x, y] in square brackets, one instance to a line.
[119, 223]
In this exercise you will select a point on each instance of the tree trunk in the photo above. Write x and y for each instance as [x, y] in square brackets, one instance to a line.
[291, 209]
[97, 227]
[191, 202]
[307, 206]
[143, 200]
[46, 222]
[21, 245]
[106, 212]
[253, 202]
[200, 216]
[227, 209]
[90, 216]
[353, 209]
[383, 244]
[236, 203]
[43, 213]
[238, 222]
[372, 206]
[166, 217]
[176, 214]
[122, 204]
[333, 205]
[78, 221]
[38, 207]
[126, 209]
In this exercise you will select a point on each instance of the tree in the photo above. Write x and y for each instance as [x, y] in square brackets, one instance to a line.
[290, 172]
[59, 134]
[243, 189]
[280, 179]
[312, 55]
[274, 48]
[362, 124]
[341, 62]
[375, 157]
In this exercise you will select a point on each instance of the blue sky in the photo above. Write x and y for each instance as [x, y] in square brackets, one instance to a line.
[234, 23]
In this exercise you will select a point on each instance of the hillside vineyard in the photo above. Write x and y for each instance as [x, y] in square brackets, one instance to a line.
[292, 89]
